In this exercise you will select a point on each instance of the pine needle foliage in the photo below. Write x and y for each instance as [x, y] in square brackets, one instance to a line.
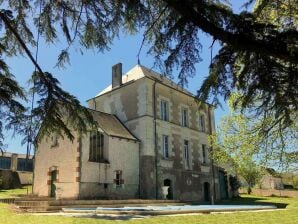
[258, 50]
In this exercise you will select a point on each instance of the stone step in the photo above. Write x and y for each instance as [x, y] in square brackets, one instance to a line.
[32, 203]
[35, 199]
[109, 202]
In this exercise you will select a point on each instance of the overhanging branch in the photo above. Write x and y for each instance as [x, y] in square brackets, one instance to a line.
[21, 42]
[191, 11]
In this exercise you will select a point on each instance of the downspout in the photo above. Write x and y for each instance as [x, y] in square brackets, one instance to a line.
[155, 139]
[212, 165]
[80, 164]
[140, 188]
[33, 166]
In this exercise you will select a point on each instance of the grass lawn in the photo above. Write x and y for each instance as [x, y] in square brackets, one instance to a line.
[14, 193]
[289, 215]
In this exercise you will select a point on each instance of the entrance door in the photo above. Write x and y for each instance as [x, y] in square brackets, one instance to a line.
[168, 183]
[206, 191]
[53, 181]
[223, 185]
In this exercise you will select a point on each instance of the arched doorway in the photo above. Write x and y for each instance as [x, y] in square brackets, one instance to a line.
[168, 183]
[206, 191]
[53, 183]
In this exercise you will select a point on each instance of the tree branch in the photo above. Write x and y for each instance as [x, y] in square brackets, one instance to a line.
[191, 10]
[22, 43]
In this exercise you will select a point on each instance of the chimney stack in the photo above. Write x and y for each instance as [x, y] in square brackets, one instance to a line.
[116, 75]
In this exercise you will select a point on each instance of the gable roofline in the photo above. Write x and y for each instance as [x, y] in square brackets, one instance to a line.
[128, 135]
[155, 77]
[126, 128]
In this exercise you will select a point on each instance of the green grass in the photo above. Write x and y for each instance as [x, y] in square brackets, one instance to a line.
[14, 193]
[289, 215]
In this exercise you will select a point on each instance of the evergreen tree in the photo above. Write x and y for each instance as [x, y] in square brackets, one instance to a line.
[258, 55]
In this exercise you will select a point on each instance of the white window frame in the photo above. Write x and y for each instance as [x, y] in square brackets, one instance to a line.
[186, 154]
[184, 117]
[165, 146]
[164, 110]
[202, 123]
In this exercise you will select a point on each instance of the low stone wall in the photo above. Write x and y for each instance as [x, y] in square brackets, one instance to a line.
[98, 191]
[25, 177]
[270, 192]
[9, 179]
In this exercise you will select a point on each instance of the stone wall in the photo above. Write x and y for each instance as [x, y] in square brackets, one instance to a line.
[133, 103]
[97, 179]
[26, 178]
[9, 179]
[64, 158]
[271, 192]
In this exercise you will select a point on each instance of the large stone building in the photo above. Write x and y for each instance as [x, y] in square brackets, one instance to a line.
[152, 142]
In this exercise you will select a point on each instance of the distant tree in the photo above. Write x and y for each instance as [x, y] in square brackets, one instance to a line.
[258, 57]
[235, 184]
[240, 138]
[251, 172]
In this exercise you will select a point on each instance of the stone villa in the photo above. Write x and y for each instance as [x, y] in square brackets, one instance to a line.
[151, 143]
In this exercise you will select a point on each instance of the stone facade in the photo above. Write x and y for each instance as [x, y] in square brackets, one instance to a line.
[62, 158]
[155, 138]
[138, 104]
[63, 169]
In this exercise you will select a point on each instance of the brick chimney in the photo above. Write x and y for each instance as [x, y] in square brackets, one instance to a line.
[116, 75]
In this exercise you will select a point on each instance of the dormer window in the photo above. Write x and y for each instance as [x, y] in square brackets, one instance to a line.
[164, 110]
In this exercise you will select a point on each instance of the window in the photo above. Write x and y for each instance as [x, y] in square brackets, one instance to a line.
[202, 123]
[118, 181]
[186, 154]
[96, 147]
[204, 153]
[5, 162]
[25, 165]
[54, 140]
[184, 118]
[164, 110]
[165, 146]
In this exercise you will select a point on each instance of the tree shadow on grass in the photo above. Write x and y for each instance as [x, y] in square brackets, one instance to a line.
[251, 201]
[115, 217]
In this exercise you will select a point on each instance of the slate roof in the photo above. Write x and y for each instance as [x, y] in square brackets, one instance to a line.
[111, 125]
[140, 71]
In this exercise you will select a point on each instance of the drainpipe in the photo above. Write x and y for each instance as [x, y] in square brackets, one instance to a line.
[140, 188]
[80, 164]
[212, 165]
[155, 140]
[33, 166]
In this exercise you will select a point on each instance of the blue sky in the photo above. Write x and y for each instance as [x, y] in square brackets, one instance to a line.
[90, 72]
